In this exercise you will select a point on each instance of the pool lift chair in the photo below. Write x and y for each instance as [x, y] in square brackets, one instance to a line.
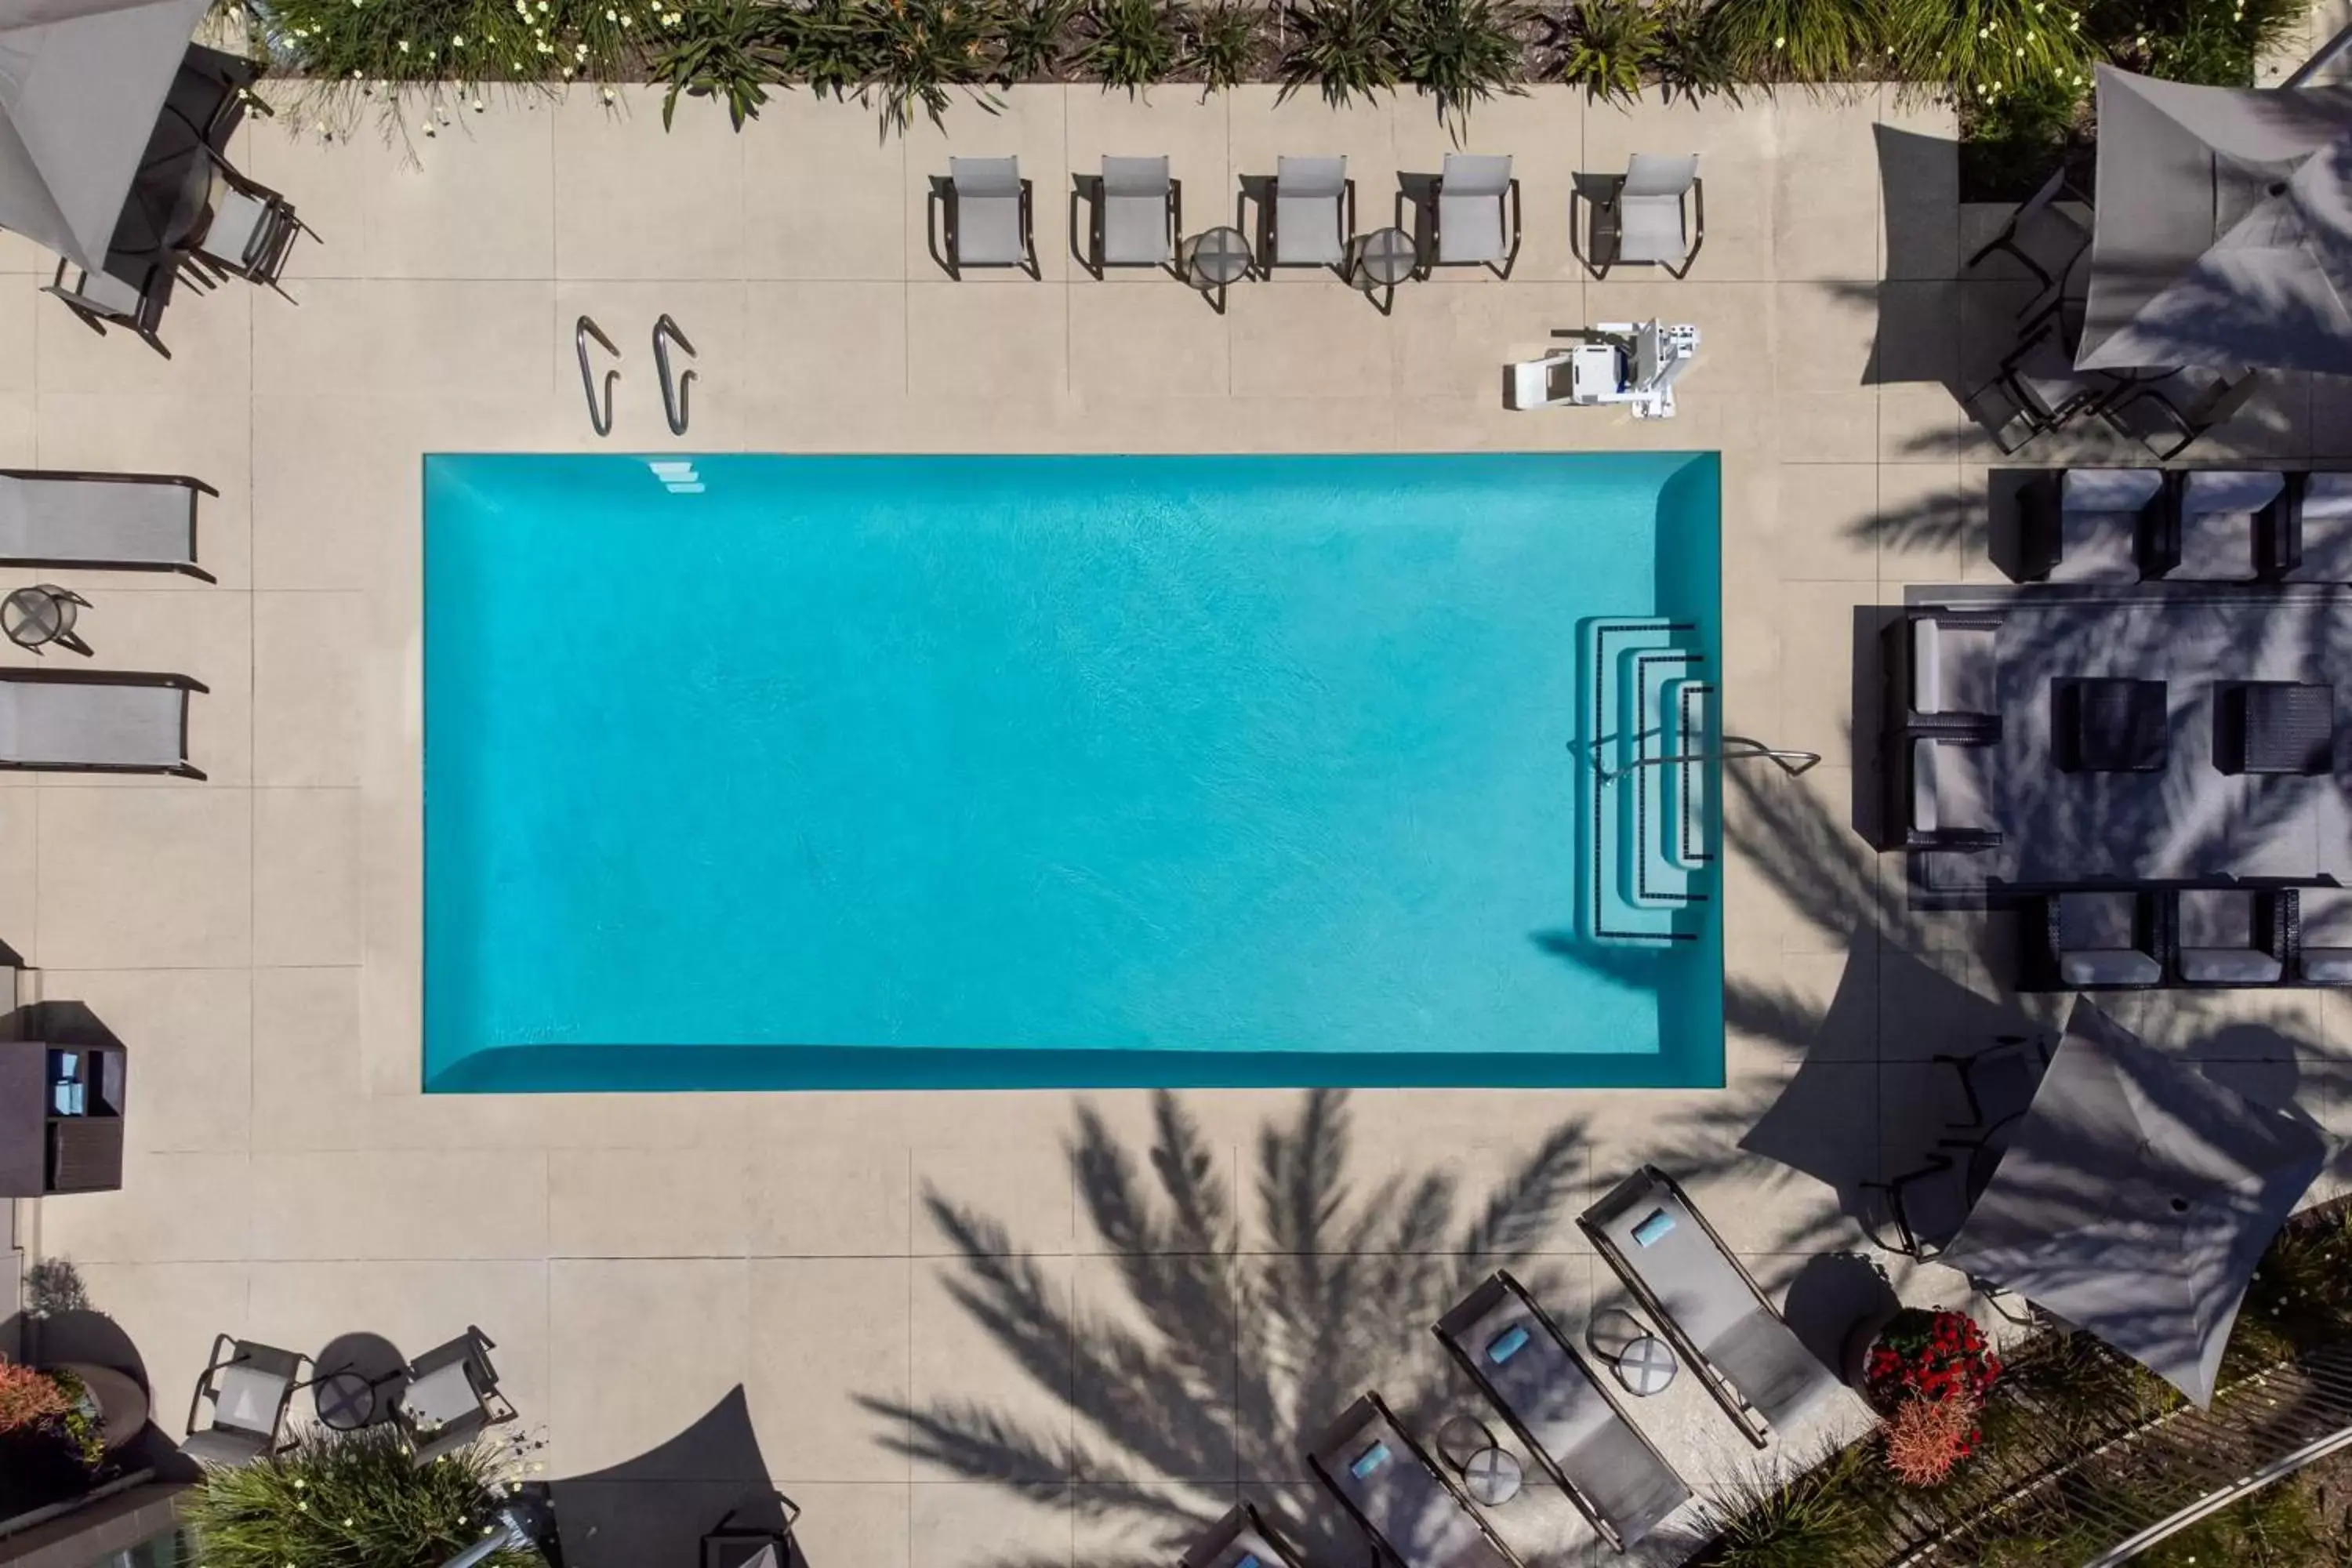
[1631, 363]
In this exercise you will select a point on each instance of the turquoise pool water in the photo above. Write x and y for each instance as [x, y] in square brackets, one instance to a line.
[773, 772]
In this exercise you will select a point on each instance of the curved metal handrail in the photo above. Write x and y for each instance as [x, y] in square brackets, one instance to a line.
[601, 419]
[1734, 749]
[674, 402]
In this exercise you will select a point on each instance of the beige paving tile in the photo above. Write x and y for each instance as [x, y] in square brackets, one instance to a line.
[1919, 186]
[475, 200]
[822, 349]
[851, 1525]
[1154, 1367]
[190, 1035]
[1826, 336]
[1029, 126]
[1825, 207]
[831, 1341]
[171, 1208]
[141, 877]
[1927, 524]
[1008, 1189]
[305, 688]
[686, 1326]
[1004, 345]
[1146, 344]
[1825, 530]
[824, 196]
[849, 1196]
[645, 1203]
[305, 876]
[22, 304]
[1311, 342]
[992, 1368]
[416, 1306]
[209, 337]
[209, 438]
[407, 337]
[1021, 1523]
[169, 1312]
[335, 480]
[452, 1203]
[630, 204]
[1453, 338]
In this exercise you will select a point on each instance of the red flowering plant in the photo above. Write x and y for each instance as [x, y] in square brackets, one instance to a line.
[1930, 1371]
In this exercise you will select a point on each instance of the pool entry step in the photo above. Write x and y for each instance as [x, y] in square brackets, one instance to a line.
[1651, 741]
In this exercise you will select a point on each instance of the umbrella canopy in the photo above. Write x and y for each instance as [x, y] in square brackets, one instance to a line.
[2136, 1199]
[2222, 234]
[81, 83]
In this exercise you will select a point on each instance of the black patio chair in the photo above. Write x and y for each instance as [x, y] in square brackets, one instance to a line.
[452, 1397]
[2165, 417]
[727, 1545]
[2043, 388]
[1998, 1079]
[251, 1387]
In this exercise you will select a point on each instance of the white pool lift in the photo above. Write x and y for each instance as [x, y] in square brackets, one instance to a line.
[1630, 363]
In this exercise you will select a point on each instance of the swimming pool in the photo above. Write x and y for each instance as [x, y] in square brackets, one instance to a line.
[773, 772]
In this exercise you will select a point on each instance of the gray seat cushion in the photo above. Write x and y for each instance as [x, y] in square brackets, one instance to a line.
[2108, 967]
[2229, 967]
[2328, 965]
[1135, 212]
[1650, 229]
[2098, 523]
[988, 212]
[1308, 224]
[2327, 529]
[1952, 667]
[224, 1446]
[1470, 217]
[2215, 547]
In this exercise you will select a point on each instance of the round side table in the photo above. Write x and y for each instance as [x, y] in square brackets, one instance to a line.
[1215, 260]
[1491, 1476]
[37, 616]
[1646, 1365]
[346, 1401]
[1380, 260]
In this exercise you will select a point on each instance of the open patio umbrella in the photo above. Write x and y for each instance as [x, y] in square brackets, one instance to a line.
[2136, 1199]
[2222, 234]
[81, 84]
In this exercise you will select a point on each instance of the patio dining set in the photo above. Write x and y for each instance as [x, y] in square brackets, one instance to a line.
[441, 1402]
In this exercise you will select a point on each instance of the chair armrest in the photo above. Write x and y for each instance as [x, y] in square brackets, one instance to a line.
[205, 1379]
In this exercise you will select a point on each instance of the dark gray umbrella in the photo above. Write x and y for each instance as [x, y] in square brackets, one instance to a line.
[2136, 1199]
[81, 84]
[2223, 230]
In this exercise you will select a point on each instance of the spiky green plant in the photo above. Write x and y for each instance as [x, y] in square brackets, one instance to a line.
[728, 57]
[1983, 50]
[1607, 47]
[920, 54]
[1802, 40]
[1461, 53]
[1129, 44]
[1345, 50]
[1691, 59]
[1222, 44]
[1035, 39]
[824, 44]
[1805, 1518]
[2216, 42]
[350, 1499]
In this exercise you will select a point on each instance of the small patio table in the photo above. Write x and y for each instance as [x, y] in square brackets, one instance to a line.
[346, 1401]
[1646, 1365]
[1382, 260]
[34, 617]
[1215, 260]
[1491, 1476]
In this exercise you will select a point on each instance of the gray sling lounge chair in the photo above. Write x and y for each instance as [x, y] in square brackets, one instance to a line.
[1415, 1515]
[1239, 1540]
[984, 207]
[1139, 211]
[119, 523]
[452, 1397]
[251, 1387]
[1705, 1304]
[1311, 214]
[1567, 1417]
[96, 721]
[1639, 217]
[1477, 214]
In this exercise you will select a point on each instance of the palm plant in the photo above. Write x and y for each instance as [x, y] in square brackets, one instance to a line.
[1801, 40]
[1981, 50]
[1607, 47]
[1461, 53]
[728, 57]
[1033, 39]
[1345, 50]
[1691, 59]
[1129, 44]
[1221, 44]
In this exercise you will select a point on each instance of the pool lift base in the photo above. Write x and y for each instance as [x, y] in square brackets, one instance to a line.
[1633, 363]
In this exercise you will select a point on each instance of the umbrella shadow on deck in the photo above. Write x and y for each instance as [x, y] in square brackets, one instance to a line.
[651, 1511]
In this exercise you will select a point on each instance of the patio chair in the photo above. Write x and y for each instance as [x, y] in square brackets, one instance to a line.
[1474, 215]
[95, 722]
[1652, 215]
[729, 1545]
[2230, 936]
[452, 1397]
[1925, 1205]
[1998, 1079]
[1239, 1540]
[116, 522]
[1709, 1307]
[252, 231]
[2042, 390]
[1415, 1513]
[2095, 939]
[2165, 417]
[1944, 792]
[100, 301]
[2219, 520]
[1569, 1422]
[2319, 934]
[1136, 211]
[2313, 541]
[2090, 525]
[251, 1387]
[979, 216]
[1940, 666]
[2044, 240]
[1310, 214]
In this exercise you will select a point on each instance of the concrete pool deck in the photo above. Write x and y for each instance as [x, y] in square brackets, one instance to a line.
[254, 939]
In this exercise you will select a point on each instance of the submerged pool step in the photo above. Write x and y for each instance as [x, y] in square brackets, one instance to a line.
[1651, 822]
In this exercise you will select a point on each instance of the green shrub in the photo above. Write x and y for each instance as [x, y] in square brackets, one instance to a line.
[2212, 41]
[2009, 145]
[1035, 39]
[1814, 1518]
[1222, 44]
[917, 54]
[824, 44]
[1462, 52]
[1129, 44]
[1608, 47]
[1345, 50]
[1691, 57]
[1983, 50]
[1802, 40]
[348, 1501]
[728, 57]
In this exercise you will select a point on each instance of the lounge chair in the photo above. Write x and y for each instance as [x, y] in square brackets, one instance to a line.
[101, 300]
[2043, 239]
[1311, 214]
[1136, 211]
[2041, 388]
[251, 1387]
[452, 1397]
[252, 231]
[2095, 939]
[2320, 935]
[2313, 541]
[2167, 416]
[95, 722]
[1415, 1514]
[979, 216]
[1652, 215]
[1943, 791]
[2231, 936]
[2219, 517]
[1242, 1538]
[2090, 525]
[1475, 214]
[1940, 667]
[1568, 1420]
[120, 522]
[1709, 1307]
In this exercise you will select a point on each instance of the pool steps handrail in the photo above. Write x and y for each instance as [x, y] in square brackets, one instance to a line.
[674, 392]
[601, 419]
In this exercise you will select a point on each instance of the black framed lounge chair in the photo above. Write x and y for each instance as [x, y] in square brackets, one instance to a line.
[100, 299]
[2041, 389]
[730, 1544]
[1709, 1307]
[2168, 416]
[1241, 1539]
[1310, 213]
[2231, 936]
[2095, 939]
[1136, 210]
[1941, 791]
[1565, 1416]
[2313, 543]
[251, 1387]
[1474, 214]
[95, 722]
[2213, 531]
[452, 1397]
[114, 522]
[2092, 525]
[252, 231]
[1652, 215]
[1413, 1512]
[2319, 934]
[979, 216]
